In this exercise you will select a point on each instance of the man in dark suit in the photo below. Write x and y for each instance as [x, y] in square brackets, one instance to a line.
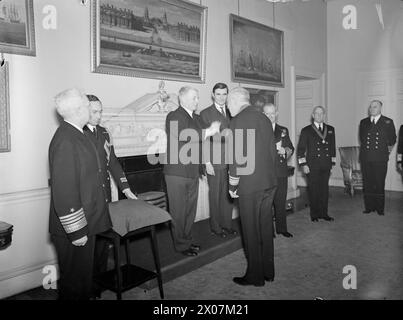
[253, 181]
[316, 153]
[285, 149]
[216, 167]
[400, 150]
[78, 207]
[110, 167]
[377, 137]
[182, 168]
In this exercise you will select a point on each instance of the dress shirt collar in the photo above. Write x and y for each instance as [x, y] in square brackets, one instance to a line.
[91, 127]
[219, 108]
[317, 125]
[376, 118]
[190, 112]
[75, 126]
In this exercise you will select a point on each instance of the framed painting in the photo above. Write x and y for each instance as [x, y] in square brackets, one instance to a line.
[17, 29]
[4, 110]
[259, 97]
[160, 39]
[257, 53]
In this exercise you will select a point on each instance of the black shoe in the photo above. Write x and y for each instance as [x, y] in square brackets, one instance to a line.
[195, 247]
[219, 234]
[367, 211]
[269, 279]
[380, 213]
[189, 252]
[286, 234]
[231, 232]
[327, 218]
[314, 219]
[243, 282]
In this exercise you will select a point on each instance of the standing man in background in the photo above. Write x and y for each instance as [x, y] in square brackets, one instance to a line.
[400, 150]
[316, 153]
[110, 167]
[78, 206]
[285, 149]
[184, 131]
[377, 137]
[254, 182]
[216, 166]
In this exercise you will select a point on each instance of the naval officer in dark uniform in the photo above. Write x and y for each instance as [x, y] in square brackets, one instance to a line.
[316, 153]
[110, 167]
[400, 150]
[78, 206]
[377, 137]
[254, 183]
[285, 149]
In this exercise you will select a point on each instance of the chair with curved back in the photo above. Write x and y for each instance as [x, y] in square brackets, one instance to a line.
[350, 165]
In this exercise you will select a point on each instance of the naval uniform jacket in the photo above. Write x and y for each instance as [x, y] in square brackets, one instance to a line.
[109, 162]
[78, 205]
[375, 139]
[281, 134]
[262, 153]
[217, 142]
[177, 121]
[400, 146]
[315, 149]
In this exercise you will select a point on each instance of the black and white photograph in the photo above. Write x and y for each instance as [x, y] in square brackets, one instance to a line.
[201, 157]
[151, 38]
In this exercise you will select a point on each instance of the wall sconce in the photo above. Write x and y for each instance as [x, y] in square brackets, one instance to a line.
[84, 2]
[2, 60]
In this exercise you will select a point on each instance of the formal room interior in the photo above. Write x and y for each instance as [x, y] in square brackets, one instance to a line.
[135, 56]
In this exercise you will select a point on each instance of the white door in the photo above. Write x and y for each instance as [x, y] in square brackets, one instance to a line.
[308, 94]
[387, 86]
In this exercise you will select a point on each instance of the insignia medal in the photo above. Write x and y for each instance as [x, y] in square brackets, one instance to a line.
[322, 136]
[323, 141]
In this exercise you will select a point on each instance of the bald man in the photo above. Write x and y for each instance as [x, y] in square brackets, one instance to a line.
[78, 206]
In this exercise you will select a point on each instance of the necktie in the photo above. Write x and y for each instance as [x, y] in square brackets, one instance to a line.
[222, 111]
[373, 121]
[95, 132]
[321, 128]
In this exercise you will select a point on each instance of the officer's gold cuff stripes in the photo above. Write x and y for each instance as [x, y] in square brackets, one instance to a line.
[74, 221]
[399, 157]
[333, 159]
[233, 181]
[123, 180]
[301, 160]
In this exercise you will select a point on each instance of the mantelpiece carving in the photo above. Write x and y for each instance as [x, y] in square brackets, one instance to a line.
[135, 126]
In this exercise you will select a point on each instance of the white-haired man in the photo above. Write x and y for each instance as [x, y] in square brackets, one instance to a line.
[182, 170]
[255, 187]
[78, 208]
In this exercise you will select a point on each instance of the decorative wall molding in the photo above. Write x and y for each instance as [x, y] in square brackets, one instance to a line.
[22, 270]
[25, 196]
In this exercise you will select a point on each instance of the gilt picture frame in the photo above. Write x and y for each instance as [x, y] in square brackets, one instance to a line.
[257, 53]
[158, 39]
[17, 28]
[5, 140]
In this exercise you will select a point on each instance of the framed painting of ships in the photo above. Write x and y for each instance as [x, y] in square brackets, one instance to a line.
[17, 30]
[257, 53]
[161, 39]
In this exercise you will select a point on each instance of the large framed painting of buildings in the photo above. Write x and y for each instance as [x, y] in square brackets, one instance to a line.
[257, 53]
[161, 39]
[17, 30]
[4, 110]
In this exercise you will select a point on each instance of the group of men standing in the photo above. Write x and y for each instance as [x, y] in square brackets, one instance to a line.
[82, 159]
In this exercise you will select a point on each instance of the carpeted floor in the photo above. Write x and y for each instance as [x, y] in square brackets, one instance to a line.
[310, 264]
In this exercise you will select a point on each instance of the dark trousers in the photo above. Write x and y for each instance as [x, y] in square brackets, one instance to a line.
[182, 197]
[279, 204]
[219, 200]
[318, 191]
[75, 268]
[257, 222]
[374, 175]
